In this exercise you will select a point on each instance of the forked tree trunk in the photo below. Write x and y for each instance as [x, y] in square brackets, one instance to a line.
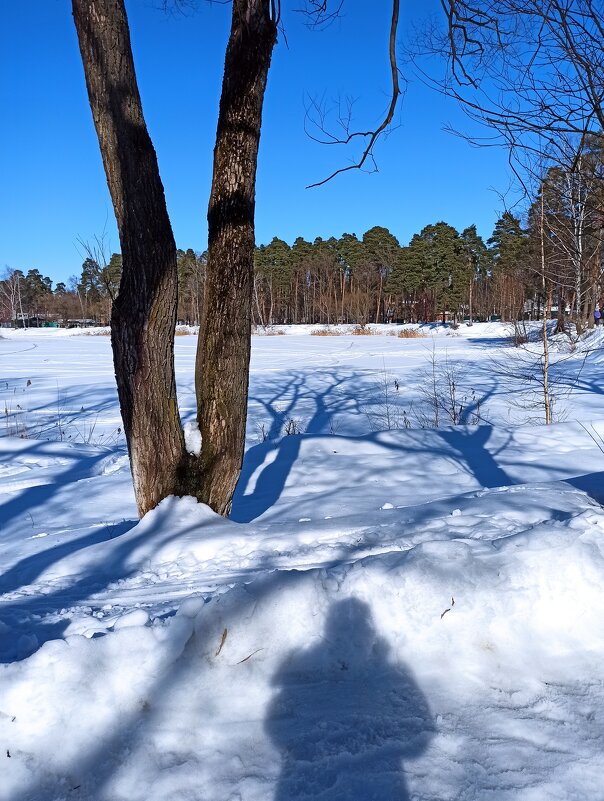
[144, 313]
[224, 343]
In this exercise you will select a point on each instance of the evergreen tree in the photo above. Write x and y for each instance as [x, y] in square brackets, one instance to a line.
[272, 275]
[191, 276]
[510, 250]
[435, 264]
[479, 264]
[111, 275]
[381, 251]
[36, 291]
[508, 242]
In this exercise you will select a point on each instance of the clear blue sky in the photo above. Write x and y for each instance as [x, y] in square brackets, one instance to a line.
[53, 189]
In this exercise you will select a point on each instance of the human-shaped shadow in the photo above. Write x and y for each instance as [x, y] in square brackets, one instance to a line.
[345, 717]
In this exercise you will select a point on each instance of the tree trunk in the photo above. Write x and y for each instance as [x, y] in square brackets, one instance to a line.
[547, 401]
[144, 313]
[561, 320]
[379, 298]
[224, 343]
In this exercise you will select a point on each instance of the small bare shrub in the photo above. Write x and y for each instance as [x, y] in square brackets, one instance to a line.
[85, 432]
[261, 432]
[445, 401]
[361, 331]
[411, 333]
[387, 414]
[520, 334]
[292, 426]
[326, 332]
[60, 425]
[16, 423]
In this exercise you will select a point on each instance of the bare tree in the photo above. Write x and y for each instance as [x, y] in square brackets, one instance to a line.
[547, 398]
[10, 292]
[316, 115]
[144, 313]
[531, 70]
[223, 353]
[572, 199]
[97, 250]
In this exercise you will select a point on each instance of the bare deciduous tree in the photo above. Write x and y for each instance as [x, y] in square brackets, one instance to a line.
[144, 313]
[10, 293]
[531, 70]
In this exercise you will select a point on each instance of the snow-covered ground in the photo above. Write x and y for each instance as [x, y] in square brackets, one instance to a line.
[393, 612]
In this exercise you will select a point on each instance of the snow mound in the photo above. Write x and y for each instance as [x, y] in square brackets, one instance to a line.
[395, 673]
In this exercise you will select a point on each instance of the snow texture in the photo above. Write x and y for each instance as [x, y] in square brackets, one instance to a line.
[408, 614]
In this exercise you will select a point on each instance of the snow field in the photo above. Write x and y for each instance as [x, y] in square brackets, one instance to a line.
[405, 614]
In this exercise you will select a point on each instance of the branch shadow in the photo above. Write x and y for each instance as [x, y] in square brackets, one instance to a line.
[29, 622]
[27, 570]
[590, 483]
[491, 342]
[469, 444]
[339, 393]
[36, 496]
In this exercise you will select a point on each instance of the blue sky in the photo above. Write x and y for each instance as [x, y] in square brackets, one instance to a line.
[53, 185]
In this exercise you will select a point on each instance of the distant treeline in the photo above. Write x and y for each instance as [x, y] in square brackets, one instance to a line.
[554, 260]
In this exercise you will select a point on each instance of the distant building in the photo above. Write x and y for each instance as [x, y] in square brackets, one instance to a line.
[27, 320]
[81, 323]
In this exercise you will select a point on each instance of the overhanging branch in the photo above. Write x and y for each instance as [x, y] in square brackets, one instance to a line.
[373, 135]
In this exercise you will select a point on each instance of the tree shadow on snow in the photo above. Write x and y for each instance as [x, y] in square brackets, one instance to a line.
[465, 446]
[592, 484]
[491, 342]
[27, 570]
[470, 445]
[345, 717]
[85, 414]
[83, 465]
[33, 619]
[339, 393]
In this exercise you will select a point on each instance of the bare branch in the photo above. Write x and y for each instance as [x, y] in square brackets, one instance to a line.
[531, 70]
[373, 135]
[319, 14]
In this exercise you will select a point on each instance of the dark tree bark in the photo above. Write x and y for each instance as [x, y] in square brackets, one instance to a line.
[144, 314]
[223, 352]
